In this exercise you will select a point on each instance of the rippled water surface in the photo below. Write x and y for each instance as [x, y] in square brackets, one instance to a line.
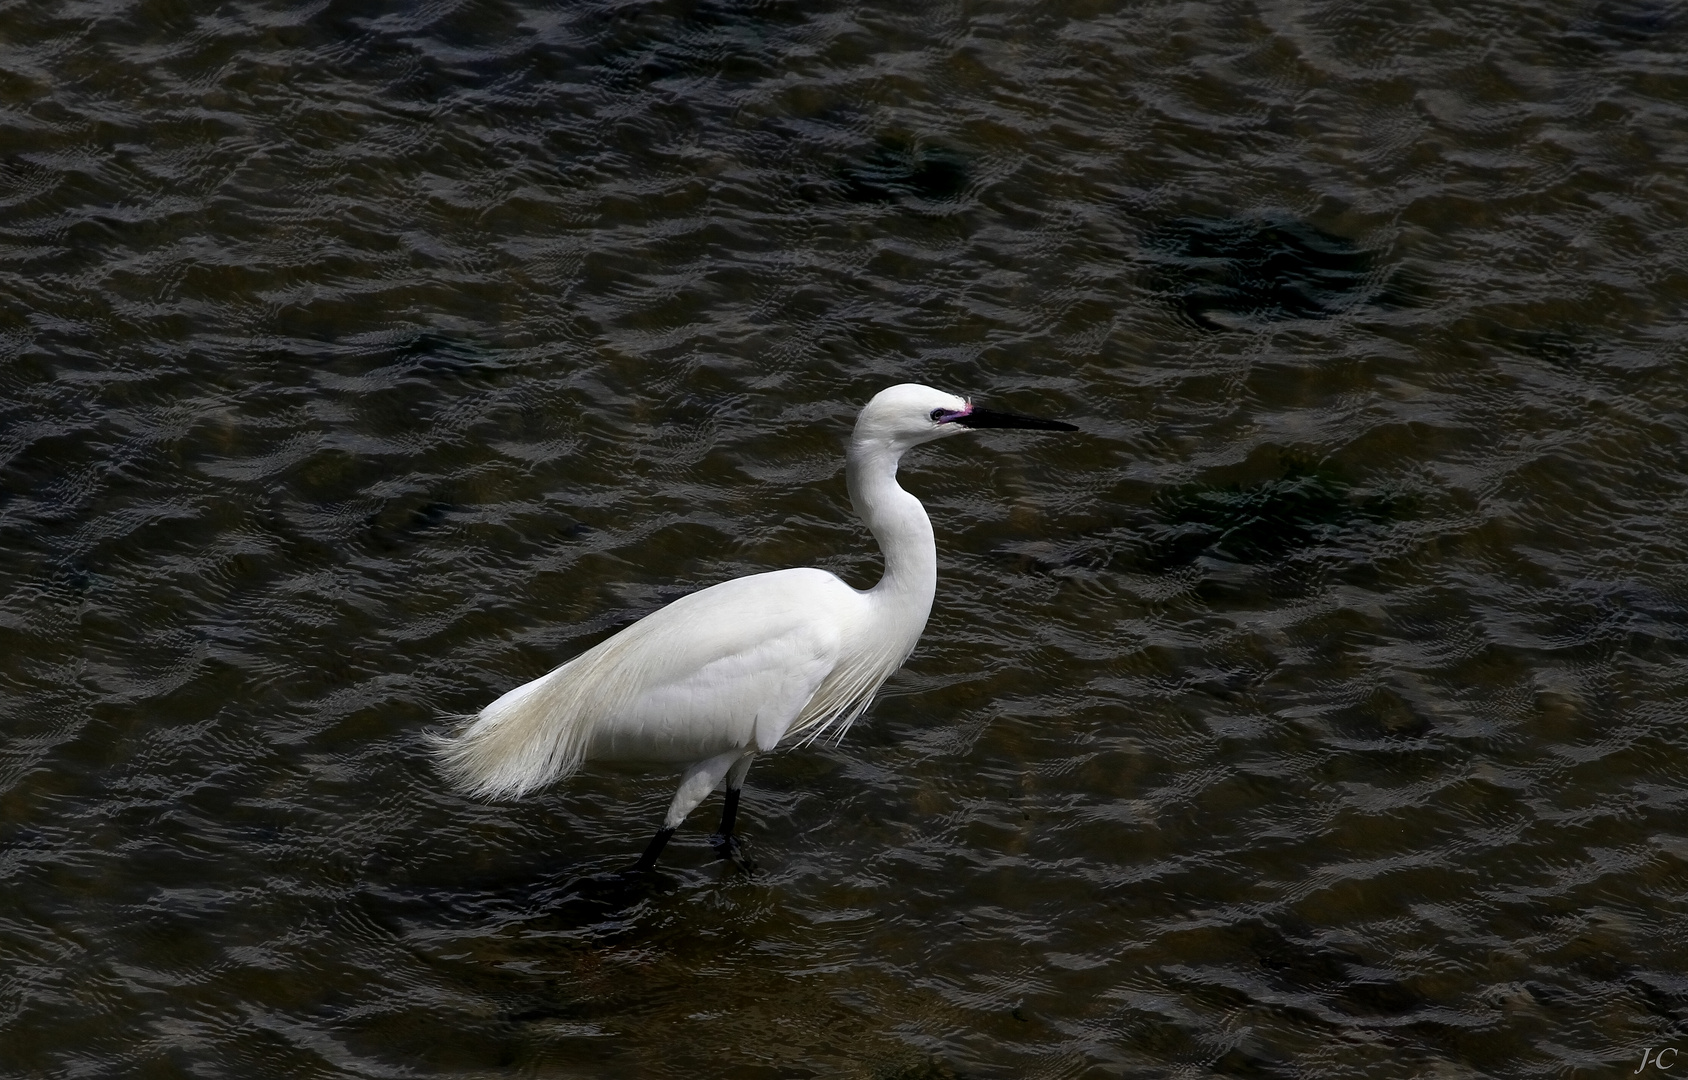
[1319, 710]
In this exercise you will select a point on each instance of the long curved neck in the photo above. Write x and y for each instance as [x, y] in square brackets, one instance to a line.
[898, 522]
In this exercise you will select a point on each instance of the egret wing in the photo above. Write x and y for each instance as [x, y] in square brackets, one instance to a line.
[743, 699]
[723, 669]
[726, 668]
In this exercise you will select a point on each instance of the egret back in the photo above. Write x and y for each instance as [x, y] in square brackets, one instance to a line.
[735, 666]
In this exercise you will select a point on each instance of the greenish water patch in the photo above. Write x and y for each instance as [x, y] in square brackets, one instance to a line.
[1268, 268]
[1301, 505]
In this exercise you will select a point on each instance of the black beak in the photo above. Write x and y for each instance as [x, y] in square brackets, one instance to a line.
[982, 418]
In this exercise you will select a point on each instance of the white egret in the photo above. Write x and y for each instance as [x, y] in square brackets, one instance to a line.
[724, 674]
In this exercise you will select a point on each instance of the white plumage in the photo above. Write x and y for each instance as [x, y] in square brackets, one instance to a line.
[739, 668]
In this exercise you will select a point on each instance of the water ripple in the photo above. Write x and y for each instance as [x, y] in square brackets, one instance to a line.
[1315, 711]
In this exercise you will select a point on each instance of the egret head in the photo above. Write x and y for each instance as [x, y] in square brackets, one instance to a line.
[911, 414]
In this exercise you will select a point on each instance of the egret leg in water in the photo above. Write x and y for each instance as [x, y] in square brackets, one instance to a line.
[736, 669]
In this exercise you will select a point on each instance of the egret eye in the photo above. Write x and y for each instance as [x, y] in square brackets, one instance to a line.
[937, 416]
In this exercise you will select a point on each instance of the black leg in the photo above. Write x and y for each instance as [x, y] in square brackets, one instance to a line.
[726, 845]
[729, 812]
[647, 861]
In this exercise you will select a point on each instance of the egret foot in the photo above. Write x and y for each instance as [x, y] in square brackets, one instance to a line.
[727, 847]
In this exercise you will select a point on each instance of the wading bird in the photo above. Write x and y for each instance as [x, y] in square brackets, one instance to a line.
[724, 674]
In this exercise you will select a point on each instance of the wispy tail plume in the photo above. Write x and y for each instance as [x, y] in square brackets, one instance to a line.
[528, 738]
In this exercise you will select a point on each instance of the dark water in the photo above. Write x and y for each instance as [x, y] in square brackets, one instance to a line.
[1320, 710]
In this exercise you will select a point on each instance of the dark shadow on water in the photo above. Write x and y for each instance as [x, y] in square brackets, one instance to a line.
[896, 169]
[1255, 1064]
[667, 39]
[605, 898]
[592, 901]
[1384, 719]
[485, 53]
[1626, 24]
[393, 528]
[1662, 996]
[919, 1070]
[433, 356]
[1301, 507]
[1244, 268]
[1271, 532]
[1299, 964]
